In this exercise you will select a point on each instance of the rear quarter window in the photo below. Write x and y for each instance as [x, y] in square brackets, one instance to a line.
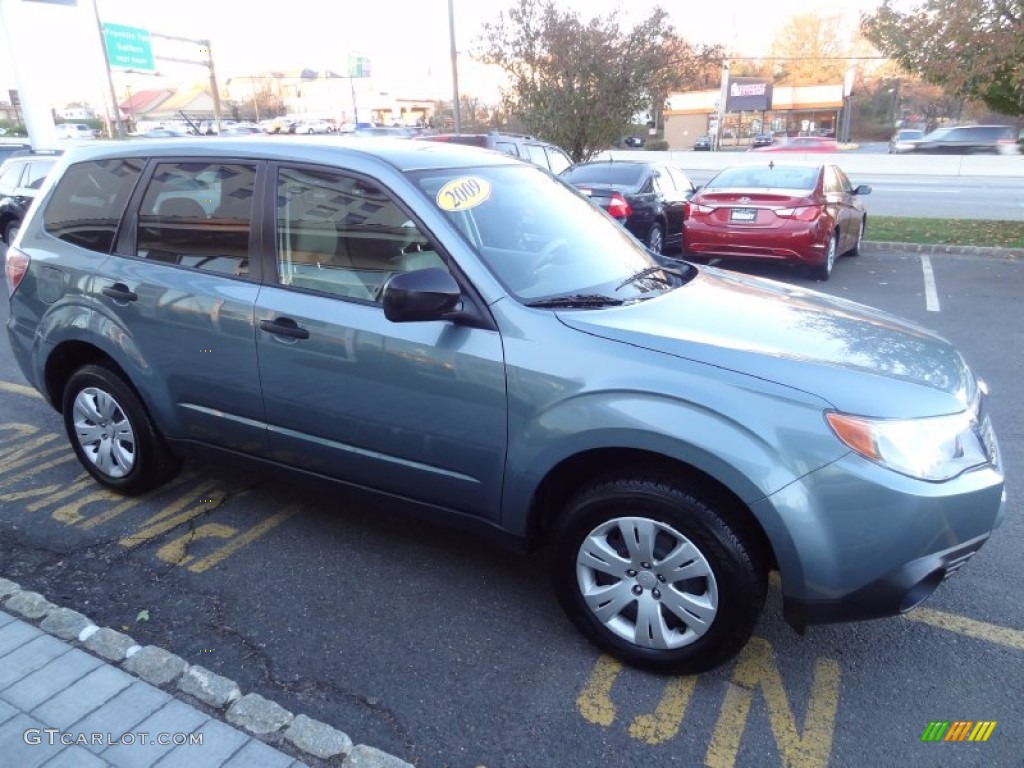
[88, 202]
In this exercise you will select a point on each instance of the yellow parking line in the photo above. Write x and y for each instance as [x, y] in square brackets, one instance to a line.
[595, 702]
[993, 633]
[18, 389]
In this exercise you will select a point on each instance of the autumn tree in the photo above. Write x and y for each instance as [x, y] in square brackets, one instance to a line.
[579, 83]
[973, 49]
[810, 50]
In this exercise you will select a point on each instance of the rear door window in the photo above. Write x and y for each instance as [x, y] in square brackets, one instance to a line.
[536, 154]
[558, 161]
[198, 215]
[89, 201]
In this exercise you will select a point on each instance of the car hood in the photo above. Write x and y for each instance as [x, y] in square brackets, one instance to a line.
[859, 359]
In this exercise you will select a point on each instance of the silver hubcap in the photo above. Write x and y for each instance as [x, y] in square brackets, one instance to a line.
[104, 432]
[655, 241]
[647, 583]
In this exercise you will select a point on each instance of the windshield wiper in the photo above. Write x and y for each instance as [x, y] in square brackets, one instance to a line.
[649, 272]
[577, 300]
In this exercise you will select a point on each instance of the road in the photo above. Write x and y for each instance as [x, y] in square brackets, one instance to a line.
[440, 649]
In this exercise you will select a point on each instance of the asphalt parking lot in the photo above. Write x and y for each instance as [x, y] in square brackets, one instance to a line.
[448, 652]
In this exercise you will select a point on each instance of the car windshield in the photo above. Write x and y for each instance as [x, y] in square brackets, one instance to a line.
[624, 174]
[767, 177]
[904, 135]
[540, 237]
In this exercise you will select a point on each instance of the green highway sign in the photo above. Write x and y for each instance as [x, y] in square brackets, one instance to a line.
[358, 66]
[128, 47]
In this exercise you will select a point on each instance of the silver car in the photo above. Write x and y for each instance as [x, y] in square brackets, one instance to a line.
[470, 337]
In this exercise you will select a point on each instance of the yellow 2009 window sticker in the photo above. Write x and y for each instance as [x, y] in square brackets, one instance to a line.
[463, 193]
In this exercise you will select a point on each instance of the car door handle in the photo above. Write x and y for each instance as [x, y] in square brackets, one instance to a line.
[120, 292]
[284, 326]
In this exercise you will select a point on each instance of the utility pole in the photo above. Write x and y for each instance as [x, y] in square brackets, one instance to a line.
[723, 96]
[455, 67]
[204, 47]
[110, 77]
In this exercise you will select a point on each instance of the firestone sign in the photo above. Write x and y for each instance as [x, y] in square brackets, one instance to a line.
[748, 94]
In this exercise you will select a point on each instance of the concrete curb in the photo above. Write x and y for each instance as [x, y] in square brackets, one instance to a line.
[874, 246]
[257, 716]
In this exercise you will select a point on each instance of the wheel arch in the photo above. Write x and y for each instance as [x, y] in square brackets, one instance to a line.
[66, 358]
[574, 472]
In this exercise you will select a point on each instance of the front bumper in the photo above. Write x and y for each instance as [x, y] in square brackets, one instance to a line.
[897, 592]
[856, 541]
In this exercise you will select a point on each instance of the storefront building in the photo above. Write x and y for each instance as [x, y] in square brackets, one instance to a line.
[803, 110]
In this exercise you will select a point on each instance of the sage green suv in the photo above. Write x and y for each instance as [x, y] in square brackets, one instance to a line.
[470, 337]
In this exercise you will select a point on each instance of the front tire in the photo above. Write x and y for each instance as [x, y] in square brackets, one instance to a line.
[656, 576]
[113, 435]
[860, 237]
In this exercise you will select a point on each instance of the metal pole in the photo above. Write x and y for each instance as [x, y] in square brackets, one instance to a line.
[455, 67]
[722, 98]
[215, 91]
[110, 76]
[355, 109]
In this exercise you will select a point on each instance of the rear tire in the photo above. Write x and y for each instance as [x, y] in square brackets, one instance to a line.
[656, 239]
[11, 231]
[112, 434]
[656, 576]
[824, 270]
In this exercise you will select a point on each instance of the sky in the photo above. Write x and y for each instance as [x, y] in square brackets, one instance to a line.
[407, 41]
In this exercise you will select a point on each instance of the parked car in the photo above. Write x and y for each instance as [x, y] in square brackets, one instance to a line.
[75, 131]
[468, 336]
[762, 140]
[377, 131]
[633, 141]
[529, 148]
[9, 147]
[165, 133]
[21, 176]
[241, 130]
[807, 214]
[314, 126]
[968, 140]
[802, 144]
[901, 140]
[646, 198]
[703, 144]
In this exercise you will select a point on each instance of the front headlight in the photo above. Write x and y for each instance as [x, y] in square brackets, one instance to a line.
[936, 448]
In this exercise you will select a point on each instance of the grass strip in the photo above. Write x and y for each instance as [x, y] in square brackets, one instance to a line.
[996, 234]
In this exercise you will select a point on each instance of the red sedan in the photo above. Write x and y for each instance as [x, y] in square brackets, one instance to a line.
[802, 144]
[808, 214]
